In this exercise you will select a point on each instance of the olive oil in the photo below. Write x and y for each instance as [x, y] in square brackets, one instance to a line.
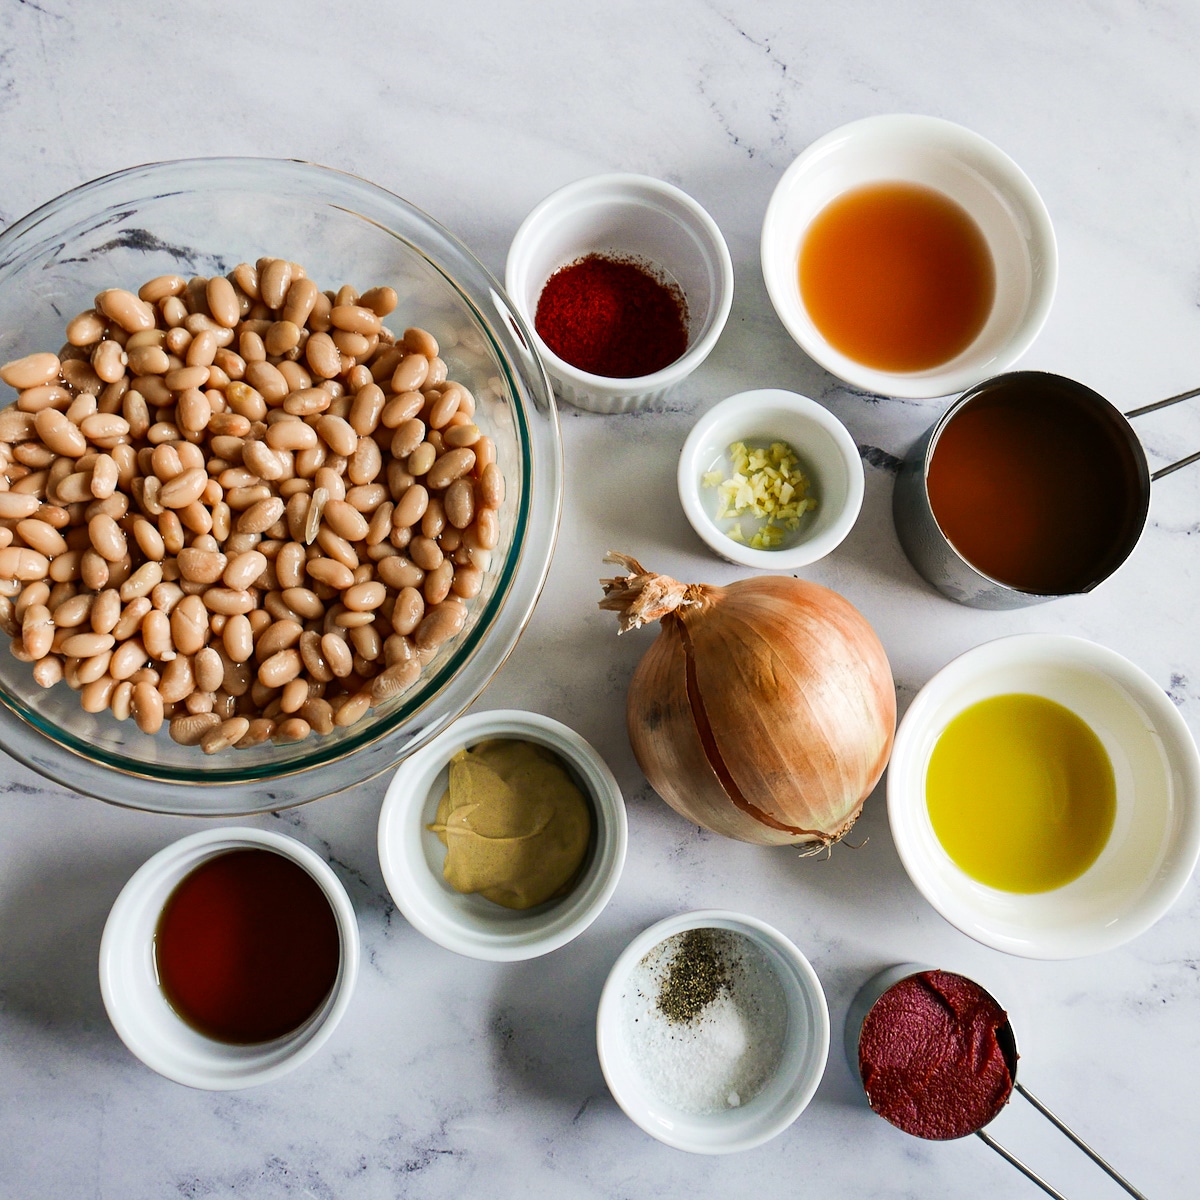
[1021, 793]
[897, 276]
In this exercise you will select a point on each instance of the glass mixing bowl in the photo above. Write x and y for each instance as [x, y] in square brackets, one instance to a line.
[202, 217]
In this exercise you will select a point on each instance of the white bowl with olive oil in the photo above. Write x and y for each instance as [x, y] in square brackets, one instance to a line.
[1080, 901]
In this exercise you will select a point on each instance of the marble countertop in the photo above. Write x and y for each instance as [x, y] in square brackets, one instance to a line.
[451, 1077]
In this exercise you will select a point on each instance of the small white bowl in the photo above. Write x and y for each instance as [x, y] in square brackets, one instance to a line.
[1155, 839]
[624, 216]
[828, 457]
[141, 1014]
[412, 858]
[963, 166]
[783, 1098]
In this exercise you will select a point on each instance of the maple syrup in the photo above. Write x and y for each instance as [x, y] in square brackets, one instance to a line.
[896, 276]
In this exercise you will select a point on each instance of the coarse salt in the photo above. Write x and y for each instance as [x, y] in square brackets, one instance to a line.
[727, 1053]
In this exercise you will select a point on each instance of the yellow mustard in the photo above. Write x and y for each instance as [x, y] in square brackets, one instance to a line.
[515, 827]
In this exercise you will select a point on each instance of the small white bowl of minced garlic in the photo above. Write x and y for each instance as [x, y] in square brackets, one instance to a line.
[504, 837]
[770, 479]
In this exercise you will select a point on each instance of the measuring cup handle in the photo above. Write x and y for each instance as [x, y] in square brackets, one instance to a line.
[1011, 1158]
[1149, 408]
[1064, 1128]
[1183, 462]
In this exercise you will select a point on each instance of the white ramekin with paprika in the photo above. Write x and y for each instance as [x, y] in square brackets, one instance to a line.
[626, 283]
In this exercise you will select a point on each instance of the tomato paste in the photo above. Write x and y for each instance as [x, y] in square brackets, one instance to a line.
[929, 1057]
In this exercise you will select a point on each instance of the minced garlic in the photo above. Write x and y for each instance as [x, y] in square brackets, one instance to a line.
[766, 485]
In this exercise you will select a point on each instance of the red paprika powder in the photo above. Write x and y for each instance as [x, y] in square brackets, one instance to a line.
[612, 317]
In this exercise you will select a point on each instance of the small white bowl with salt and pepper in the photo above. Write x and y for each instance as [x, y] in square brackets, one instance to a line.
[817, 457]
[712, 1032]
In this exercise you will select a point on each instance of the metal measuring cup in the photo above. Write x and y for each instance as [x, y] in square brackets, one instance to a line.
[941, 563]
[873, 990]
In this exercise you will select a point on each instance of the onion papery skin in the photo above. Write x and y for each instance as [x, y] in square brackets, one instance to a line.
[764, 711]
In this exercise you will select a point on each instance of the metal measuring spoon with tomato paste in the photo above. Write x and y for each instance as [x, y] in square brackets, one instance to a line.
[937, 1058]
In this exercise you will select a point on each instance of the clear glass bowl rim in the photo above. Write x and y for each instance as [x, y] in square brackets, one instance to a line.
[237, 790]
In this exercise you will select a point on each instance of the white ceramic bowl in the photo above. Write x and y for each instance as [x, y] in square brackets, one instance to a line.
[785, 1095]
[1155, 840]
[963, 166]
[624, 216]
[828, 457]
[412, 858]
[139, 1011]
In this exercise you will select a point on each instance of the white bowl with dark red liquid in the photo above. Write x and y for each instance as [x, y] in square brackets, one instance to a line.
[227, 1037]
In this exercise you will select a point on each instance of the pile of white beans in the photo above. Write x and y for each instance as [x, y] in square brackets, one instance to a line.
[240, 506]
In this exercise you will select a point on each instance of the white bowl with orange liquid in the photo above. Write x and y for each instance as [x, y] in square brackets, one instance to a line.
[909, 256]
[1152, 848]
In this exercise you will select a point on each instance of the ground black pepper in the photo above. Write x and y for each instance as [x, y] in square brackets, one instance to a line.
[695, 978]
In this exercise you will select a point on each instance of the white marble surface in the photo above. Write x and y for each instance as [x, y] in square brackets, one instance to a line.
[451, 1077]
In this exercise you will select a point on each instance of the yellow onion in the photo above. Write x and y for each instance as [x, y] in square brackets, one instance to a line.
[764, 710]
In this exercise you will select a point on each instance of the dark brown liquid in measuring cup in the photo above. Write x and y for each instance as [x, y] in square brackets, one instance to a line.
[1035, 483]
